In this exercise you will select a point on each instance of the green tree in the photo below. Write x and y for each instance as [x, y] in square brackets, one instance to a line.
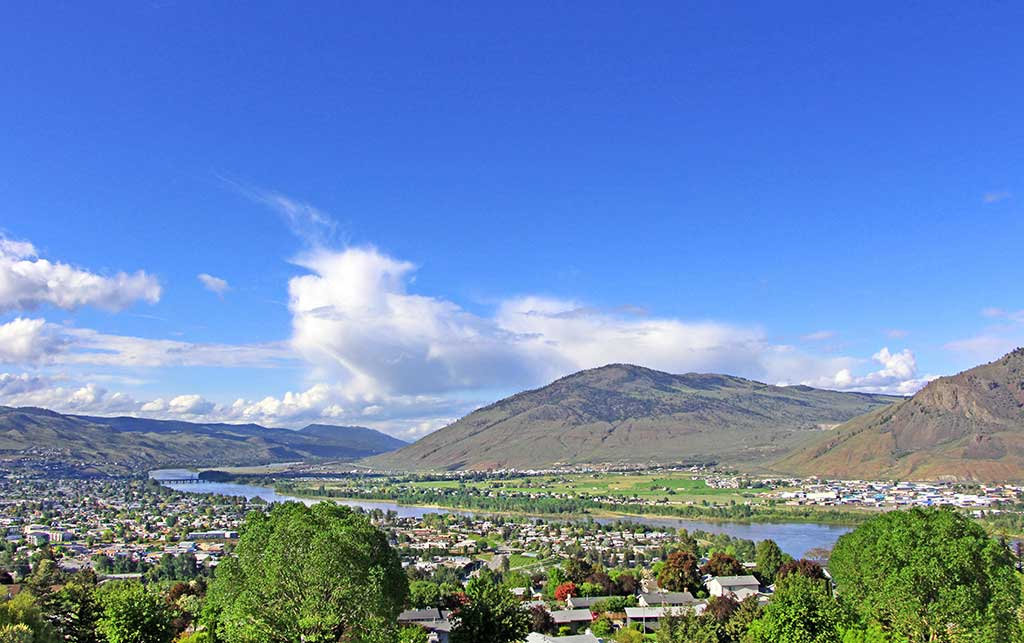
[493, 614]
[424, 593]
[77, 610]
[308, 574]
[804, 567]
[24, 610]
[686, 627]
[602, 626]
[872, 634]
[18, 633]
[745, 613]
[134, 614]
[629, 635]
[680, 572]
[413, 634]
[769, 558]
[722, 564]
[801, 611]
[928, 575]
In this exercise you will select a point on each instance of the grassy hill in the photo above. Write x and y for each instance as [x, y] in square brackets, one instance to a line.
[122, 444]
[624, 413]
[968, 426]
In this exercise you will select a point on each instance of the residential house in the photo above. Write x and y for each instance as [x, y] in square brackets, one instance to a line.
[574, 619]
[666, 599]
[739, 587]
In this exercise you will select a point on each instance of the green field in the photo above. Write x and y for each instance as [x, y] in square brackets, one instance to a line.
[673, 487]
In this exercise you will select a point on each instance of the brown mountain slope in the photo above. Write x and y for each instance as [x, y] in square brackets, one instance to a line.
[968, 426]
[624, 413]
[127, 444]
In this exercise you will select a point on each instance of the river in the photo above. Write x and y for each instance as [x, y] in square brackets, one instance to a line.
[795, 538]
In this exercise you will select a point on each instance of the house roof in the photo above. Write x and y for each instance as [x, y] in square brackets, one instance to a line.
[425, 615]
[732, 581]
[668, 598]
[536, 637]
[572, 616]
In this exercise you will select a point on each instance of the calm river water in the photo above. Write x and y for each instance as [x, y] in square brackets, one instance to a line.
[794, 538]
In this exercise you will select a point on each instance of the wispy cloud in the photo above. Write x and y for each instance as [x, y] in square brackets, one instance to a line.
[819, 336]
[314, 227]
[1005, 333]
[996, 196]
[215, 285]
[1016, 316]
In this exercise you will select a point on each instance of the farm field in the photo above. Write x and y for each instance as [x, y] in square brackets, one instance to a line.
[672, 487]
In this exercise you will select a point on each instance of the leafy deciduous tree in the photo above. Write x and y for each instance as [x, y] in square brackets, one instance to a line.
[680, 572]
[769, 558]
[310, 574]
[493, 614]
[928, 575]
[134, 614]
[721, 564]
[801, 611]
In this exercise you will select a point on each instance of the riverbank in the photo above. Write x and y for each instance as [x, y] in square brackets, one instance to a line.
[561, 507]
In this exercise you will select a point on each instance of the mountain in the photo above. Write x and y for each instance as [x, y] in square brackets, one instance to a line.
[121, 444]
[625, 413]
[354, 437]
[968, 426]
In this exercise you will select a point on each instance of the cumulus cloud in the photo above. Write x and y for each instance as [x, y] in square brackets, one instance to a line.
[66, 397]
[215, 285]
[27, 341]
[12, 384]
[898, 375]
[356, 321]
[403, 416]
[28, 281]
[354, 318]
[190, 405]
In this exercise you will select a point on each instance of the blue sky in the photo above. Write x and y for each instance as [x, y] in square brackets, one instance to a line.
[420, 207]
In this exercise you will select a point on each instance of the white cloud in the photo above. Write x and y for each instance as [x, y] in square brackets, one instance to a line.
[307, 222]
[1016, 316]
[37, 341]
[12, 385]
[1005, 333]
[27, 341]
[355, 321]
[215, 285]
[898, 375]
[986, 347]
[65, 397]
[818, 336]
[996, 196]
[27, 282]
[190, 405]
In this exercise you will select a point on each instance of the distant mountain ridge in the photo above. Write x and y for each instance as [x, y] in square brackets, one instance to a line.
[627, 413]
[121, 444]
[968, 426]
